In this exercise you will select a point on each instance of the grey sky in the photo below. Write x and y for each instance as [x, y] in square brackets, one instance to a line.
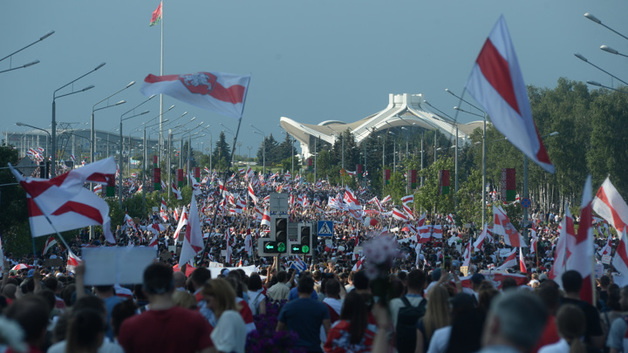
[309, 60]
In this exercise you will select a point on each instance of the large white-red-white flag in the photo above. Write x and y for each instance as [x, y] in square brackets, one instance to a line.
[609, 204]
[183, 221]
[502, 226]
[66, 202]
[620, 260]
[483, 237]
[580, 246]
[193, 239]
[497, 84]
[522, 262]
[50, 243]
[511, 260]
[220, 92]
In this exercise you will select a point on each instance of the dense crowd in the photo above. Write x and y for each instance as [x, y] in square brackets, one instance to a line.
[424, 300]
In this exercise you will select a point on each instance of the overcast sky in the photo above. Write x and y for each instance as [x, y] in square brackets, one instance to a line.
[310, 60]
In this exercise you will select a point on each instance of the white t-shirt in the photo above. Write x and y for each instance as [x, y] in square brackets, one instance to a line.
[559, 347]
[440, 340]
[229, 335]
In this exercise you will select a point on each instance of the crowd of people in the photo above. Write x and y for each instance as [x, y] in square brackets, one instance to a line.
[426, 300]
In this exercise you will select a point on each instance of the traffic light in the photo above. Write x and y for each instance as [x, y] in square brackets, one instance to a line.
[303, 243]
[281, 234]
[266, 247]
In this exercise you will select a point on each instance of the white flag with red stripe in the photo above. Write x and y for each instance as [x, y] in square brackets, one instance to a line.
[467, 255]
[522, 262]
[220, 92]
[609, 204]
[73, 261]
[252, 194]
[511, 260]
[503, 227]
[407, 199]
[580, 247]
[399, 215]
[193, 239]
[386, 199]
[183, 221]
[437, 231]
[266, 218]
[479, 242]
[163, 211]
[620, 260]
[50, 243]
[497, 84]
[606, 250]
[176, 191]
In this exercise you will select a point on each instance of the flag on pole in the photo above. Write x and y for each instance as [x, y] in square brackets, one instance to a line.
[467, 255]
[182, 222]
[49, 244]
[156, 15]
[220, 92]
[496, 82]
[66, 203]
[620, 260]
[176, 191]
[609, 204]
[502, 226]
[193, 239]
[479, 242]
[522, 262]
[511, 260]
[72, 262]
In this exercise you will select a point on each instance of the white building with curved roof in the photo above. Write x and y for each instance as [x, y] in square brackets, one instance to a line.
[402, 110]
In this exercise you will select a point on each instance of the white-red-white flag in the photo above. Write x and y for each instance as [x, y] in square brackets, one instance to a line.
[566, 230]
[437, 231]
[467, 255]
[50, 243]
[407, 199]
[386, 199]
[399, 215]
[163, 211]
[176, 191]
[580, 247]
[220, 92]
[479, 242]
[606, 250]
[511, 260]
[522, 262]
[497, 84]
[183, 221]
[609, 204]
[503, 227]
[193, 239]
[252, 194]
[248, 243]
[620, 260]
[266, 218]
[72, 262]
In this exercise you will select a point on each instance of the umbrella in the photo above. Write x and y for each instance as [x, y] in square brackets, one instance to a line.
[20, 267]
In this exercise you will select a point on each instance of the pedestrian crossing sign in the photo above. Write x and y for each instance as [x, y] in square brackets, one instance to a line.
[325, 228]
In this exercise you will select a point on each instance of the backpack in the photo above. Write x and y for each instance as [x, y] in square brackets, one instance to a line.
[406, 325]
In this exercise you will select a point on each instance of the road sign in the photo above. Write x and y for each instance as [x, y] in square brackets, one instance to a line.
[325, 228]
[278, 204]
[525, 202]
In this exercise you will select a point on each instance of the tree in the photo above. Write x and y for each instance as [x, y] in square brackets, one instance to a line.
[429, 196]
[222, 153]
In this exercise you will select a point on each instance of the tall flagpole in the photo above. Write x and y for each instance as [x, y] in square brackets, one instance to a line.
[161, 96]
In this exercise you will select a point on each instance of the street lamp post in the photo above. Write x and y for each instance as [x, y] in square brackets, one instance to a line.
[54, 112]
[19, 50]
[595, 83]
[596, 20]
[94, 109]
[581, 57]
[36, 128]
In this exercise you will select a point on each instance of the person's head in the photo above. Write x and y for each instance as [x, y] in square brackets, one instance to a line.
[199, 277]
[361, 281]
[184, 299]
[614, 295]
[354, 310]
[236, 284]
[158, 280]
[121, 312]
[604, 281]
[485, 298]
[86, 331]
[572, 281]
[476, 281]
[332, 288]
[623, 300]
[516, 319]
[31, 313]
[51, 283]
[8, 291]
[282, 276]
[571, 324]
[255, 282]
[219, 295]
[416, 281]
[179, 279]
[305, 285]
[549, 294]
[508, 283]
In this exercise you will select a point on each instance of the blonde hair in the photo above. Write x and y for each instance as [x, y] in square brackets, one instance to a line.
[223, 293]
[437, 312]
[184, 299]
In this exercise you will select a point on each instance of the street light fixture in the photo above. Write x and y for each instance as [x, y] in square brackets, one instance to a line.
[595, 83]
[19, 50]
[581, 57]
[260, 132]
[36, 128]
[54, 112]
[608, 49]
[596, 20]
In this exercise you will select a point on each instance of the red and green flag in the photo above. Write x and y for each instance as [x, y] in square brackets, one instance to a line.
[156, 15]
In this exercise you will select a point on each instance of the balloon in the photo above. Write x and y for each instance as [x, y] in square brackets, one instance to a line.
[373, 222]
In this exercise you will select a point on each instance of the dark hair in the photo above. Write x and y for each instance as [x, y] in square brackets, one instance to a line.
[282, 276]
[305, 285]
[121, 312]
[90, 302]
[236, 284]
[572, 281]
[549, 294]
[255, 282]
[200, 276]
[332, 287]
[84, 329]
[613, 297]
[508, 283]
[355, 311]
[51, 283]
[31, 312]
[416, 280]
[360, 280]
[158, 279]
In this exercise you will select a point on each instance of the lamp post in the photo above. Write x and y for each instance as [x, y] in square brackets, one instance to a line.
[581, 57]
[596, 20]
[54, 112]
[608, 49]
[260, 132]
[19, 50]
[595, 83]
[122, 118]
[94, 109]
[146, 150]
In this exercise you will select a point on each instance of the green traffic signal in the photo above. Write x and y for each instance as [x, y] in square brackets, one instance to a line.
[281, 247]
[305, 249]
